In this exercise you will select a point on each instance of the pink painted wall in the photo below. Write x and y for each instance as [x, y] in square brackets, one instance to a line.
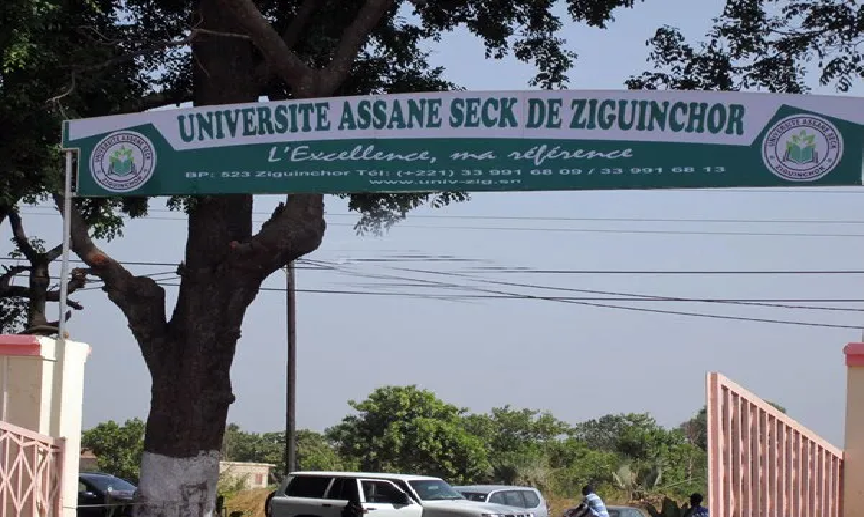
[853, 474]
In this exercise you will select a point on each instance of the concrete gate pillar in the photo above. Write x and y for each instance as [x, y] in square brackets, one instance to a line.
[42, 390]
[853, 458]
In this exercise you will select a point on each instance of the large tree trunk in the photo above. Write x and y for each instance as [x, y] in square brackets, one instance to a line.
[190, 363]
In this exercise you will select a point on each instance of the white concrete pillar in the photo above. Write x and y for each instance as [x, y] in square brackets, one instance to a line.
[42, 389]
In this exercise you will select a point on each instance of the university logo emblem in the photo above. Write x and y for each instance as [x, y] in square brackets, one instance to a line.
[123, 161]
[802, 148]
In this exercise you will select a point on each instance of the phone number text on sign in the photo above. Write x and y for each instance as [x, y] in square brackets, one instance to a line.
[451, 173]
[623, 171]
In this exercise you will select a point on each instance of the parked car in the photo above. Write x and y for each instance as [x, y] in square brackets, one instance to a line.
[615, 511]
[525, 497]
[325, 494]
[104, 495]
[626, 511]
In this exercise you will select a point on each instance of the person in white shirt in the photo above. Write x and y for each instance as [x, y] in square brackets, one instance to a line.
[595, 505]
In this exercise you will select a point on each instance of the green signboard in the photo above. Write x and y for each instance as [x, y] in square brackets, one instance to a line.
[475, 141]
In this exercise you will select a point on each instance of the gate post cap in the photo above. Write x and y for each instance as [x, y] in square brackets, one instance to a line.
[854, 354]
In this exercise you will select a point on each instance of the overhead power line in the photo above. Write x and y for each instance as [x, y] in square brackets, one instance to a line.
[623, 296]
[680, 313]
[518, 270]
[593, 304]
[605, 295]
[487, 217]
[610, 231]
[321, 266]
[772, 303]
[598, 302]
[307, 265]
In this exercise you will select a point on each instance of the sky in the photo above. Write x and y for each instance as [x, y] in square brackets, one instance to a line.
[578, 362]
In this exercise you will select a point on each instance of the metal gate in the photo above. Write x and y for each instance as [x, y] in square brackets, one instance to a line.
[761, 463]
[30, 473]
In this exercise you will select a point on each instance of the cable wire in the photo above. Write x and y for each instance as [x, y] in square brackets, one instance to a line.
[503, 269]
[592, 304]
[609, 231]
[482, 217]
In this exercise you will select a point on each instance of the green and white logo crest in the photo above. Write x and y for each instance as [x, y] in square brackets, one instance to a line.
[802, 148]
[123, 161]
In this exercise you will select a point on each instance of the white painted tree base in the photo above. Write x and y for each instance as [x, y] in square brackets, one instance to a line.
[178, 487]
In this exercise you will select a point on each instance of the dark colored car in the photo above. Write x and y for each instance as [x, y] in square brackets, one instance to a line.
[625, 511]
[614, 511]
[104, 495]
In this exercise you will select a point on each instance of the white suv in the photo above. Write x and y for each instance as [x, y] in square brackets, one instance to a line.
[325, 494]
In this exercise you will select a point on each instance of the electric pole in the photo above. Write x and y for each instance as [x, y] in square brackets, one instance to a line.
[290, 371]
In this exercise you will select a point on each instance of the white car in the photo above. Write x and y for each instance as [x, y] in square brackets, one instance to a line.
[525, 497]
[325, 494]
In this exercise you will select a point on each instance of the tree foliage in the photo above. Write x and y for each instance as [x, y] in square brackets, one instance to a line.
[13, 309]
[117, 448]
[650, 456]
[575, 464]
[51, 67]
[765, 45]
[313, 450]
[403, 428]
[57, 59]
[246, 447]
[518, 443]
[696, 429]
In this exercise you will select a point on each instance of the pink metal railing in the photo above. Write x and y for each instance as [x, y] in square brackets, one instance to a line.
[30, 473]
[761, 463]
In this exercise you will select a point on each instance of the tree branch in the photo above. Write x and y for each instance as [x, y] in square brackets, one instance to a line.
[20, 291]
[6, 278]
[294, 229]
[16, 291]
[141, 299]
[20, 238]
[353, 38]
[78, 281]
[145, 50]
[148, 47]
[284, 63]
[52, 254]
[301, 20]
[291, 36]
[157, 100]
